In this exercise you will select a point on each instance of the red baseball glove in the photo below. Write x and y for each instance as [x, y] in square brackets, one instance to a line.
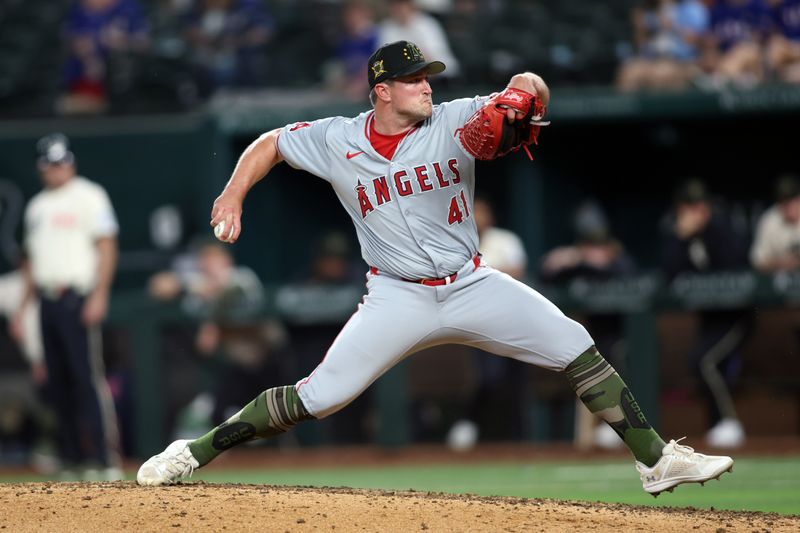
[488, 135]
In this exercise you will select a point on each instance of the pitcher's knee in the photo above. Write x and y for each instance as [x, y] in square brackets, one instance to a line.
[575, 342]
[320, 404]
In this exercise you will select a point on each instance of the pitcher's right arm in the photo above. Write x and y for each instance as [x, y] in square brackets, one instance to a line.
[255, 162]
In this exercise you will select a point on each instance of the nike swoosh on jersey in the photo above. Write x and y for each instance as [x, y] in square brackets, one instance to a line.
[351, 155]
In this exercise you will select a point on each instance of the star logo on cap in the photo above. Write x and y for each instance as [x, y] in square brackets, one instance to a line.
[377, 68]
[413, 53]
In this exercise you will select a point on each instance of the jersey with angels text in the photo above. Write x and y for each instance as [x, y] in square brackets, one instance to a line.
[413, 214]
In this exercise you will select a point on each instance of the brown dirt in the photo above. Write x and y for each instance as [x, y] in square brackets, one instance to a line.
[96, 507]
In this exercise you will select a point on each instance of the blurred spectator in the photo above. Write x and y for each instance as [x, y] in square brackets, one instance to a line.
[95, 29]
[701, 239]
[435, 7]
[406, 22]
[466, 19]
[783, 48]
[357, 42]
[12, 288]
[332, 262]
[501, 248]
[167, 19]
[667, 34]
[776, 247]
[228, 38]
[500, 383]
[221, 290]
[734, 45]
[38, 428]
[227, 301]
[70, 237]
[595, 256]
[32, 440]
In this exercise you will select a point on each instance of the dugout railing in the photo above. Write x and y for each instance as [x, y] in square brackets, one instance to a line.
[639, 300]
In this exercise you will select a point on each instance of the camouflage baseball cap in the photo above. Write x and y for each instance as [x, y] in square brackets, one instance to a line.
[398, 59]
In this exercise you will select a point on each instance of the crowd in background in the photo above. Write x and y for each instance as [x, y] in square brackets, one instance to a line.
[229, 349]
[177, 53]
[228, 352]
[713, 43]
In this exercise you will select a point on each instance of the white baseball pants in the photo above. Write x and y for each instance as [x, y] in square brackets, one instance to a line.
[483, 308]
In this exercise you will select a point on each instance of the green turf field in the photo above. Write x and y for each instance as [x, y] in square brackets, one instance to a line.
[756, 484]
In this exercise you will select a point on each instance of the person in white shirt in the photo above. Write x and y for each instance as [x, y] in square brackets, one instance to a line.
[71, 246]
[407, 23]
[776, 247]
[501, 248]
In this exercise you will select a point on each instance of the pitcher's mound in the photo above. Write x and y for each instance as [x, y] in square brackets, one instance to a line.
[96, 507]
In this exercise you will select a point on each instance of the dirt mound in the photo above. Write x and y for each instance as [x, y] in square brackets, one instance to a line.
[201, 506]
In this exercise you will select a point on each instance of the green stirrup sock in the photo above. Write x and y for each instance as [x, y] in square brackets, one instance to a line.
[274, 411]
[601, 389]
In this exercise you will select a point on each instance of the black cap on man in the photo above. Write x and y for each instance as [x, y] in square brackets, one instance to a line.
[53, 149]
[398, 59]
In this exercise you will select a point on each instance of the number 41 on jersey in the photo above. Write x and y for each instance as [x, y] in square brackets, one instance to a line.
[457, 214]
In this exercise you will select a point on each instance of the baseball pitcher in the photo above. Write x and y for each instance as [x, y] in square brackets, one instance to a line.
[405, 173]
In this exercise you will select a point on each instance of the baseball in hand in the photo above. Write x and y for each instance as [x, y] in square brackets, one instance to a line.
[219, 230]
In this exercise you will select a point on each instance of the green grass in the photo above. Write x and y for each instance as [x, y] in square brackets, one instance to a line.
[756, 484]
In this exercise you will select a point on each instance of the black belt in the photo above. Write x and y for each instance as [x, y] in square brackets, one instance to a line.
[53, 293]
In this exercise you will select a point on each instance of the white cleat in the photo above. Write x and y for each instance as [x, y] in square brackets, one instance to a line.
[169, 466]
[681, 464]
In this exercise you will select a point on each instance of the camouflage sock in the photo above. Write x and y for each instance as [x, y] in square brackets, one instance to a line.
[274, 411]
[601, 389]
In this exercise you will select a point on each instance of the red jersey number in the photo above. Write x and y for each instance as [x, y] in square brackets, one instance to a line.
[458, 213]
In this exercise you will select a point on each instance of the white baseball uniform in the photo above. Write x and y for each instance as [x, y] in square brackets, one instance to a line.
[413, 217]
[62, 227]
